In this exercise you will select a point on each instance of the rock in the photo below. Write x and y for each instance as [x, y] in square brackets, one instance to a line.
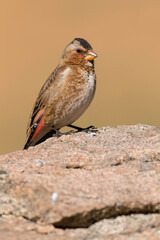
[103, 185]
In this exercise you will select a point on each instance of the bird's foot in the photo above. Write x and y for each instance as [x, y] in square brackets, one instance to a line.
[57, 133]
[87, 130]
[68, 133]
[90, 129]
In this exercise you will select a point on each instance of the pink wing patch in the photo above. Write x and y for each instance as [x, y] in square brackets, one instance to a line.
[38, 129]
[40, 125]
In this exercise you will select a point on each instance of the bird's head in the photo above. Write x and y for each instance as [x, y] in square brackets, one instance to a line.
[78, 52]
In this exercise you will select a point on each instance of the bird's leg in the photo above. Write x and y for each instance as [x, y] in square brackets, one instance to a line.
[79, 129]
[56, 132]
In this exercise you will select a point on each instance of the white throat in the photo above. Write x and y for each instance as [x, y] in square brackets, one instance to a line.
[89, 64]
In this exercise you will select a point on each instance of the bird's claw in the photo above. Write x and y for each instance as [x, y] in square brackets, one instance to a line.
[90, 129]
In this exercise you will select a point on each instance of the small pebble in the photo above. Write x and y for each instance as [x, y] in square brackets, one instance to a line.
[40, 161]
[92, 134]
[54, 197]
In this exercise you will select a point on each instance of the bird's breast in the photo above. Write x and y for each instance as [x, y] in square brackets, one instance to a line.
[75, 93]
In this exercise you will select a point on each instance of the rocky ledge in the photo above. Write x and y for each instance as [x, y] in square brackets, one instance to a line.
[93, 186]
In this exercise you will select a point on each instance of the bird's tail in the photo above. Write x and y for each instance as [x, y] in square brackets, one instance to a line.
[39, 140]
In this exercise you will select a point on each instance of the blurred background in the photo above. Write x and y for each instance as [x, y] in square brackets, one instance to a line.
[126, 36]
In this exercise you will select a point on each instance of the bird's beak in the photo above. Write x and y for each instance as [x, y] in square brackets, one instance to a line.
[91, 55]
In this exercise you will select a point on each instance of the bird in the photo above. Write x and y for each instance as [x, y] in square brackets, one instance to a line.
[65, 95]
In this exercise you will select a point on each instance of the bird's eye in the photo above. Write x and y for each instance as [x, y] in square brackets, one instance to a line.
[79, 50]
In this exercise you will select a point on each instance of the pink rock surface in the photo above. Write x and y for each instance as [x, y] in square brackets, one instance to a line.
[103, 185]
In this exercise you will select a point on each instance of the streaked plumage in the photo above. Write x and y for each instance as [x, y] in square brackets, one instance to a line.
[66, 94]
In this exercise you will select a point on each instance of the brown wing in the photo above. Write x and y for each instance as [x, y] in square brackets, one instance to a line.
[40, 103]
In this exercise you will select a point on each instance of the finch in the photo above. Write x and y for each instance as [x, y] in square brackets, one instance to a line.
[65, 95]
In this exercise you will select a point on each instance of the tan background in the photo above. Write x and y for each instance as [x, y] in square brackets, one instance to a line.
[124, 33]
